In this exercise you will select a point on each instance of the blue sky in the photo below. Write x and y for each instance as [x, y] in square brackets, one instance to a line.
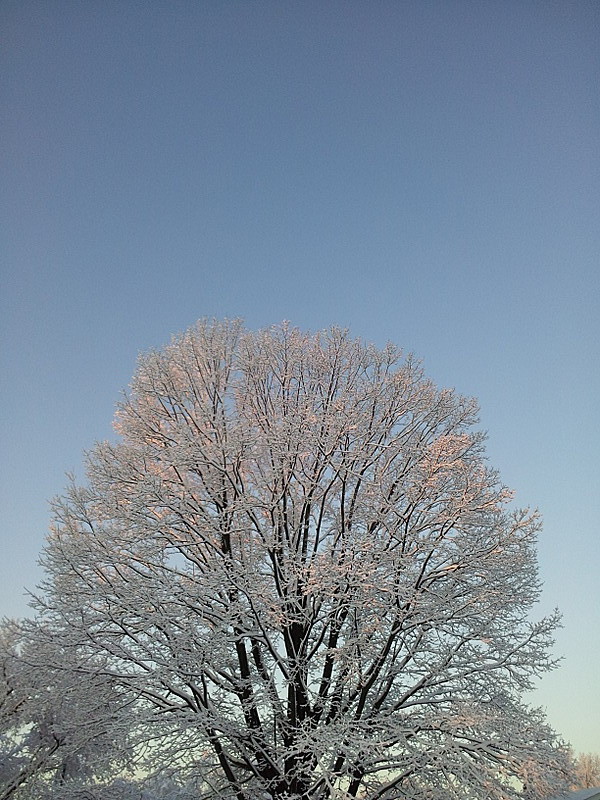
[421, 172]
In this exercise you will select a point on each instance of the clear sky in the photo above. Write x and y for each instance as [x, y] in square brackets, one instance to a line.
[421, 172]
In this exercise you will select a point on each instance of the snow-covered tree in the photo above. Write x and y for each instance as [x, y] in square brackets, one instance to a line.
[298, 562]
[587, 767]
[62, 719]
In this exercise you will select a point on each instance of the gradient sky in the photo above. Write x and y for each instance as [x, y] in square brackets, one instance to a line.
[421, 172]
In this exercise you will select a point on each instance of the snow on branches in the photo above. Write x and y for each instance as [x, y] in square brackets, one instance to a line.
[298, 564]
